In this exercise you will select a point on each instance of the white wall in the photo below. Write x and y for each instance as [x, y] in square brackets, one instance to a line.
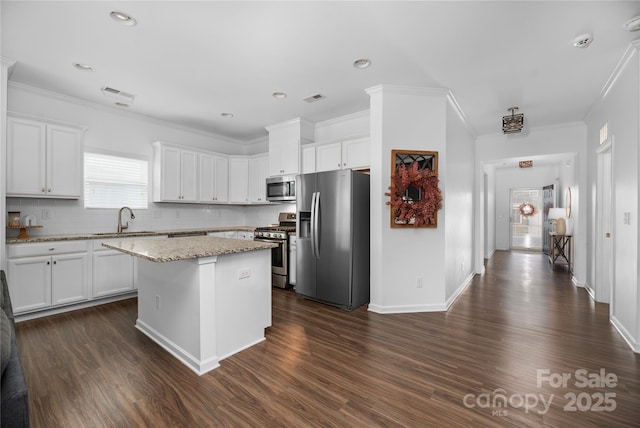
[512, 178]
[490, 212]
[567, 141]
[406, 118]
[620, 107]
[458, 203]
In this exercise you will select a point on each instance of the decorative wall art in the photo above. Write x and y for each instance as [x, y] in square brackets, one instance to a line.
[415, 197]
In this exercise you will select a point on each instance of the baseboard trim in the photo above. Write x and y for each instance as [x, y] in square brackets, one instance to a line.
[74, 307]
[409, 309]
[635, 346]
[197, 366]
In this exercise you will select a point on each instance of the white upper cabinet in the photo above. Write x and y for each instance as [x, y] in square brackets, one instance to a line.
[308, 159]
[43, 159]
[214, 171]
[328, 157]
[284, 145]
[355, 154]
[239, 180]
[175, 173]
[349, 154]
[258, 173]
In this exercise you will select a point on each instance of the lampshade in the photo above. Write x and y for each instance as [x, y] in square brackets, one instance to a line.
[556, 213]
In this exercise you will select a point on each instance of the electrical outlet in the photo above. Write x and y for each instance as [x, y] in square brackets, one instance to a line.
[46, 214]
[244, 273]
[157, 303]
[419, 282]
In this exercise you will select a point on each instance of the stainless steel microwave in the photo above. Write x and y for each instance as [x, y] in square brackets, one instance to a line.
[281, 188]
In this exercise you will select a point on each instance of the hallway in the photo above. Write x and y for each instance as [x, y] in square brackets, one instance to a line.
[479, 364]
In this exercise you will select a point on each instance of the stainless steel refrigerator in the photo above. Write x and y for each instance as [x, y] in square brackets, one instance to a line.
[333, 238]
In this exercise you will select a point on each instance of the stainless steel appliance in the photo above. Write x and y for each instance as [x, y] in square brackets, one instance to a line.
[333, 238]
[281, 189]
[278, 234]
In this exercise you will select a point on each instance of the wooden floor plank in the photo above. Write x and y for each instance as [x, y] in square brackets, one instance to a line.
[321, 366]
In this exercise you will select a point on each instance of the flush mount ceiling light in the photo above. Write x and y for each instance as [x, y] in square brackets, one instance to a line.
[362, 63]
[525, 164]
[633, 24]
[514, 123]
[227, 115]
[82, 67]
[279, 95]
[583, 40]
[123, 18]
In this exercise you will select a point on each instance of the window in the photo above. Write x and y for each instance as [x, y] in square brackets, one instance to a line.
[114, 182]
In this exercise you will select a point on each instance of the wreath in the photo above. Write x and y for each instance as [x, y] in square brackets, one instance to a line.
[423, 210]
[527, 209]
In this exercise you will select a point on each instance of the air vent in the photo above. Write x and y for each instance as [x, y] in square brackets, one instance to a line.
[314, 98]
[122, 97]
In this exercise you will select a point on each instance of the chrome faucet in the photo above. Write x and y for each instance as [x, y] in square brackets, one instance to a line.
[126, 226]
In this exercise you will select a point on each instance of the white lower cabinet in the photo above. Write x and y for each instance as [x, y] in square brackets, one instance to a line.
[113, 272]
[43, 276]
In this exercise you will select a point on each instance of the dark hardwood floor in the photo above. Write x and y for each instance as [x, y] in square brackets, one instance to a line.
[321, 366]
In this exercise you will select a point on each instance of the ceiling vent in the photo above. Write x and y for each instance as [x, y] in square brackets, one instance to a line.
[314, 98]
[119, 96]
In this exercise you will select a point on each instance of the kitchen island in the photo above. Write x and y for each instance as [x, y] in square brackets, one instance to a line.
[202, 298]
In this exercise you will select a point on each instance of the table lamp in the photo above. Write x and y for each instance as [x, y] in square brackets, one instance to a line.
[559, 224]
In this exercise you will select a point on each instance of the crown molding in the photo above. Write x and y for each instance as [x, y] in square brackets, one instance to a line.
[345, 118]
[7, 63]
[114, 110]
[631, 50]
[408, 90]
[463, 117]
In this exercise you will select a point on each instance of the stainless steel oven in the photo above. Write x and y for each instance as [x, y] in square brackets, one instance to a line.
[278, 234]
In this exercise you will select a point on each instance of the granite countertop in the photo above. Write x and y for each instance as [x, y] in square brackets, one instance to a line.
[167, 250]
[133, 234]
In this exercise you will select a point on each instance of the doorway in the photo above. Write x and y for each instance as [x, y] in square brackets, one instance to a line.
[526, 219]
[603, 253]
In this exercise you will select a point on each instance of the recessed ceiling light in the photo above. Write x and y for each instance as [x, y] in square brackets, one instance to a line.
[279, 95]
[123, 18]
[361, 63]
[82, 67]
[633, 24]
[583, 40]
[227, 115]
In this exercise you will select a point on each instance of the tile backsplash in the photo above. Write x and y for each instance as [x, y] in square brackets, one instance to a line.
[59, 216]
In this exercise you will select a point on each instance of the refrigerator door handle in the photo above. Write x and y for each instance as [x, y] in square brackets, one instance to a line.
[313, 225]
[316, 219]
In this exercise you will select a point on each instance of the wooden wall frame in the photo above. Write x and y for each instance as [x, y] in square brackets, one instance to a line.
[425, 160]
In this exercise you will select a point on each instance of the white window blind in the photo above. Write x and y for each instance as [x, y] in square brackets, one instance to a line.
[114, 182]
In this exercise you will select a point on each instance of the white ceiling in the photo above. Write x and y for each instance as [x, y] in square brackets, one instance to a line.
[188, 62]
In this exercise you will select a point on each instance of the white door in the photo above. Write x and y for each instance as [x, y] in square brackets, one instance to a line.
[29, 283]
[170, 174]
[239, 180]
[355, 153]
[64, 162]
[69, 278]
[526, 219]
[604, 245]
[189, 176]
[112, 273]
[26, 157]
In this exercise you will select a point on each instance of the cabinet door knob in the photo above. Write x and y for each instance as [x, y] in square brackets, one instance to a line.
[51, 249]
[49, 190]
[44, 190]
[48, 263]
[55, 262]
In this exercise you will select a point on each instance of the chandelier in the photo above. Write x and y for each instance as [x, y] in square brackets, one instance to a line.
[514, 123]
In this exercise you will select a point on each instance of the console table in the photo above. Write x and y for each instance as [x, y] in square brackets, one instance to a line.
[560, 251]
